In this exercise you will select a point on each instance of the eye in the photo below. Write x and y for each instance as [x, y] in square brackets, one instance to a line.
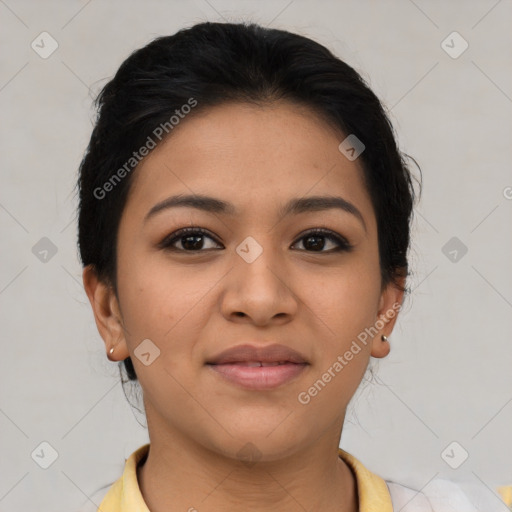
[315, 240]
[191, 239]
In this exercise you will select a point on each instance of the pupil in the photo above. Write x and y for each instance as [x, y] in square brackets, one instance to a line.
[318, 242]
[195, 244]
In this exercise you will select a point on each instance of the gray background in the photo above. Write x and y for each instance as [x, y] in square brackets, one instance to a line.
[448, 377]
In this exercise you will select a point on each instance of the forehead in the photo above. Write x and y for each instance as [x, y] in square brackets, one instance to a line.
[253, 156]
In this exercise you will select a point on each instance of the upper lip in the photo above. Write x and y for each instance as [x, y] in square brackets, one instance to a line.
[265, 354]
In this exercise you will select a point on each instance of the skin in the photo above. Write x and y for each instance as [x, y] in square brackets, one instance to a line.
[195, 305]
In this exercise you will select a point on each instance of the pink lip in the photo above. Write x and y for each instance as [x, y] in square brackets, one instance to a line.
[238, 365]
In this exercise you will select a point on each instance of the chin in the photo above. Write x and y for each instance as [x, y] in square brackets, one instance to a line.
[254, 445]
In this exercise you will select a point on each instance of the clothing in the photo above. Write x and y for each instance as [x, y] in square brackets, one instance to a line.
[375, 494]
[505, 492]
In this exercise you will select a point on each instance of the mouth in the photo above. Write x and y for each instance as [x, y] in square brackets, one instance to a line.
[257, 367]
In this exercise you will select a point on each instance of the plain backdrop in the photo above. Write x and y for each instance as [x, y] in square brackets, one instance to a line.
[448, 378]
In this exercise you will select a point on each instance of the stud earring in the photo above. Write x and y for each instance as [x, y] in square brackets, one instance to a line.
[110, 352]
[384, 338]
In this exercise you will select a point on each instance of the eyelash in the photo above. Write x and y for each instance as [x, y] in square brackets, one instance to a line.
[343, 244]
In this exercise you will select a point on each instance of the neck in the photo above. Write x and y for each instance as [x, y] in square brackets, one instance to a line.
[182, 475]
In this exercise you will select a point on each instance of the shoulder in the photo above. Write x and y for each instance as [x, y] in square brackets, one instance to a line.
[442, 495]
[116, 494]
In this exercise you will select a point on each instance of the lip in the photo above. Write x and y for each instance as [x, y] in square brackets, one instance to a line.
[266, 354]
[258, 367]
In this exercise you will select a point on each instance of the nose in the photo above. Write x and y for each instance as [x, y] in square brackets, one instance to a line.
[259, 292]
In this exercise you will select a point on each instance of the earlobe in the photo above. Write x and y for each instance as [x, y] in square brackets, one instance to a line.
[390, 303]
[106, 314]
[381, 346]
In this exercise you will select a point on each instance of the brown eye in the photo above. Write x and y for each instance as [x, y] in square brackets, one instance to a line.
[315, 241]
[191, 239]
[194, 240]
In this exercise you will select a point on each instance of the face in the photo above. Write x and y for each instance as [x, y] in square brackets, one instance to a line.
[249, 272]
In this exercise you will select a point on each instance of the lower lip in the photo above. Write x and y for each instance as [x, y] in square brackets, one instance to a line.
[259, 377]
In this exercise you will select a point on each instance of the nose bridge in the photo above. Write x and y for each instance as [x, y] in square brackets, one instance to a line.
[260, 260]
[258, 286]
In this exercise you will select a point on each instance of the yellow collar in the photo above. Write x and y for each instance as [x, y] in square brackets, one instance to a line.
[372, 489]
[125, 495]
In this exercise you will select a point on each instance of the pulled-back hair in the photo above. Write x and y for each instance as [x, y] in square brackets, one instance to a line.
[210, 64]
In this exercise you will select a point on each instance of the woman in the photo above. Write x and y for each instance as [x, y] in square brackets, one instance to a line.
[243, 226]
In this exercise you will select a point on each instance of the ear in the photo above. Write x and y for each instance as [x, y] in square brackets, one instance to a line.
[390, 304]
[106, 314]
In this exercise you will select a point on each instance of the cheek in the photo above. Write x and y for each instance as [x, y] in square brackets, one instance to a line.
[155, 296]
[165, 305]
[344, 305]
[345, 300]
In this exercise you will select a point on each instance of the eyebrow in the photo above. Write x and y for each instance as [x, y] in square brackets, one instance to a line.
[293, 207]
